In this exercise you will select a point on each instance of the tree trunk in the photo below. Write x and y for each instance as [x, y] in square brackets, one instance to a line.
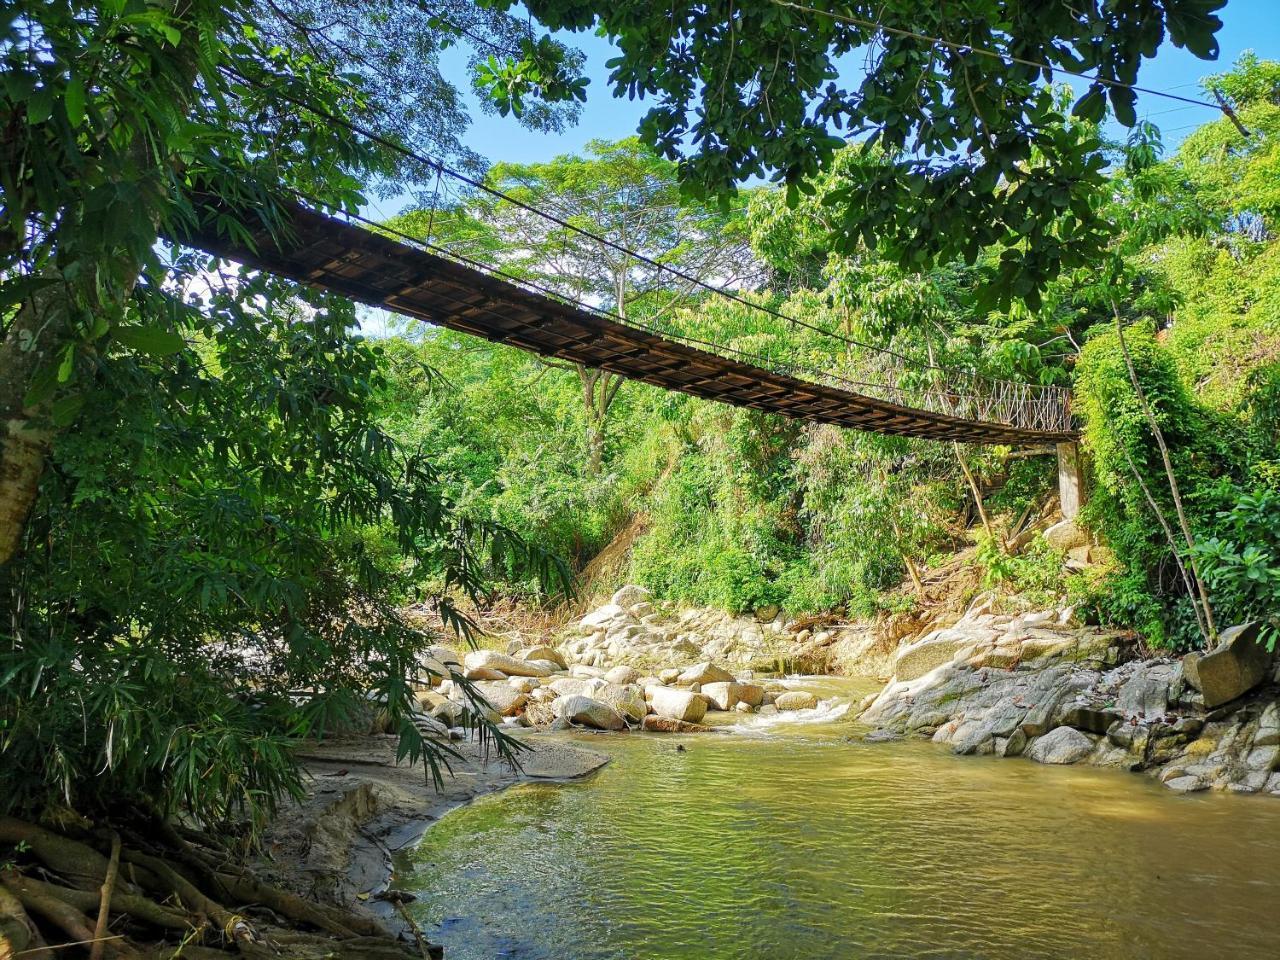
[599, 388]
[42, 326]
[912, 571]
[26, 432]
[977, 496]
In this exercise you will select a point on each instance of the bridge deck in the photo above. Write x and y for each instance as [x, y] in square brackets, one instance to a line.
[374, 269]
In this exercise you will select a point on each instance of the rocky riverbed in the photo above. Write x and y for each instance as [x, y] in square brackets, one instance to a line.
[1038, 685]
[1042, 687]
[626, 665]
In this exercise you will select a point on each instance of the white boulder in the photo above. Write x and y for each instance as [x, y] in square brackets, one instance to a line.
[678, 704]
[589, 713]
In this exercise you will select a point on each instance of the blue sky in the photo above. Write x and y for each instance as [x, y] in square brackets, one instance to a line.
[1247, 25]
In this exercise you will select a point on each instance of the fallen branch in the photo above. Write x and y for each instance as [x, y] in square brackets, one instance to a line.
[104, 907]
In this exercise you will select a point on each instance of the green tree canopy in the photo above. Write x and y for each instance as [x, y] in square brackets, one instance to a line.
[960, 98]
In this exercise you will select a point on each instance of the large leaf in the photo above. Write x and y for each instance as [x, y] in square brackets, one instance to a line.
[150, 340]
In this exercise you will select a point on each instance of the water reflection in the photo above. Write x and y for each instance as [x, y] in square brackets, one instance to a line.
[805, 845]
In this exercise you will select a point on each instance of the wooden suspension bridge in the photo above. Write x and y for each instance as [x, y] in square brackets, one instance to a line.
[373, 268]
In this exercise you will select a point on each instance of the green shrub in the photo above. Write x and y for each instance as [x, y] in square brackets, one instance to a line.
[1241, 563]
[1205, 447]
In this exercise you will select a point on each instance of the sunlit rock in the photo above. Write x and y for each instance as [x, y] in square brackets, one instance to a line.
[509, 666]
[588, 713]
[796, 700]
[678, 704]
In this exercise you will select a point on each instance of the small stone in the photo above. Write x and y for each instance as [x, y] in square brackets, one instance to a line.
[622, 675]
[589, 713]
[575, 686]
[723, 696]
[627, 699]
[705, 672]
[1263, 758]
[1013, 745]
[598, 619]
[743, 707]
[1268, 726]
[767, 613]
[669, 675]
[507, 701]
[678, 704]
[484, 673]
[882, 736]
[629, 596]
[1089, 719]
[656, 724]
[1238, 664]
[509, 666]
[545, 653]
[1065, 535]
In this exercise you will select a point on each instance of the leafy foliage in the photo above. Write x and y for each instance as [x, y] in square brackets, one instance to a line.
[203, 582]
[976, 150]
[1240, 564]
[222, 536]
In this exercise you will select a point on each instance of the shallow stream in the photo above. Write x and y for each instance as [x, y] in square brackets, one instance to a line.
[789, 840]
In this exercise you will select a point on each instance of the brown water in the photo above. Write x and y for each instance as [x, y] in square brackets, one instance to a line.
[793, 842]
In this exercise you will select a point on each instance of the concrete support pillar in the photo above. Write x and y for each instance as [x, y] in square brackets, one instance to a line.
[1070, 484]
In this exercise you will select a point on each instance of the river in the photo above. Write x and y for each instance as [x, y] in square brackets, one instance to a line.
[798, 840]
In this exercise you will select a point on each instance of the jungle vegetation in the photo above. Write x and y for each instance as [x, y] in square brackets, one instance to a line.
[218, 497]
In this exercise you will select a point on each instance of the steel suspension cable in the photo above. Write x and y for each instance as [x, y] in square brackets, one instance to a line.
[655, 264]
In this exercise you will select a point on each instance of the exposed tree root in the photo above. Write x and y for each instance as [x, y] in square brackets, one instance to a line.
[131, 905]
[71, 922]
[18, 935]
[199, 904]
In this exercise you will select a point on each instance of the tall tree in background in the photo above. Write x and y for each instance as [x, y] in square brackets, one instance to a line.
[620, 191]
[114, 111]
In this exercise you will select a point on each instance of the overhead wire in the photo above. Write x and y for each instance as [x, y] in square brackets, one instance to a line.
[472, 182]
[777, 366]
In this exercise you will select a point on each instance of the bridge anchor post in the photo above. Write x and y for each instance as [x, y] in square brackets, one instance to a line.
[1070, 485]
